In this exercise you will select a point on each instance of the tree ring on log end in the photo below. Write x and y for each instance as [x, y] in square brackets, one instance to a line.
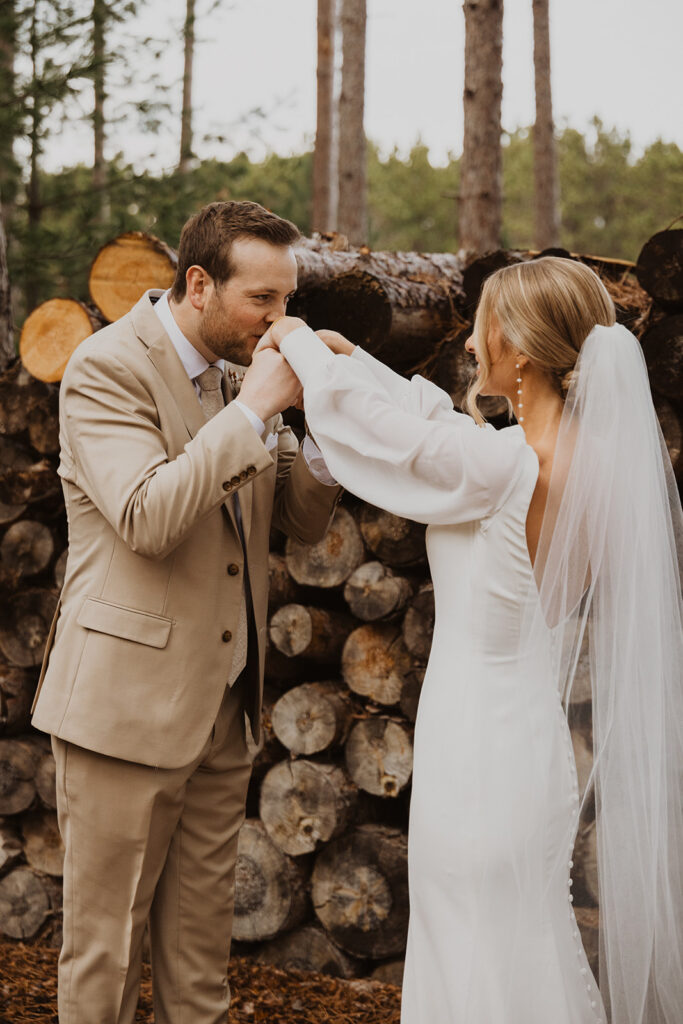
[51, 334]
[125, 268]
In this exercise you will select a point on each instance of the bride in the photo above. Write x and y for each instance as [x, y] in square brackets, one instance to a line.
[560, 529]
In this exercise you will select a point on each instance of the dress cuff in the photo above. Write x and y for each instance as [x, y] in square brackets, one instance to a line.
[316, 462]
[305, 352]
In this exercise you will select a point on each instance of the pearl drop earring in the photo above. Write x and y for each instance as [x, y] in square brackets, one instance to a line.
[520, 406]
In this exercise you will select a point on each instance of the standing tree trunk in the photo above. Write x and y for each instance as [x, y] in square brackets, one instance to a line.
[8, 107]
[99, 171]
[186, 118]
[546, 206]
[7, 350]
[324, 187]
[480, 197]
[352, 217]
[33, 188]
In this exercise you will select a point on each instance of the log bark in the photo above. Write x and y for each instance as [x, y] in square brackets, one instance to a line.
[60, 569]
[308, 632]
[375, 662]
[585, 871]
[281, 587]
[311, 718]
[18, 762]
[389, 973]
[453, 369]
[125, 268]
[24, 904]
[478, 269]
[23, 480]
[546, 188]
[379, 756]
[20, 396]
[410, 692]
[11, 849]
[359, 888]
[330, 562]
[588, 920]
[45, 781]
[43, 846]
[396, 542]
[270, 889]
[100, 17]
[393, 304]
[352, 214]
[52, 333]
[660, 268]
[43, 428]
[7, 349]
[17, 687]
[480, 201]
[25, 627]
[308, 949]
[305, 804]
[663, 351]
[418, 623]
[324, 178]
[374, 591]
[26, 548]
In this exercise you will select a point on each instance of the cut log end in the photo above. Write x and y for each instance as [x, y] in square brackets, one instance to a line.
[51, 334]
[125, 268]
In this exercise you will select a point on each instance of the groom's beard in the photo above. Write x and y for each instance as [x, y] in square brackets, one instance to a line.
[225, 339]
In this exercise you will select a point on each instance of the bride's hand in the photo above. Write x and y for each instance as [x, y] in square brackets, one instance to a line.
[278, 330]
[336, 342]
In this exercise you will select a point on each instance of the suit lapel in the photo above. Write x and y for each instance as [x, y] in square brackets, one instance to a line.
[162, 353]
[245, 494]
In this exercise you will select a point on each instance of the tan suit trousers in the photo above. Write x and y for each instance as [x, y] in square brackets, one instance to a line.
[144, 842]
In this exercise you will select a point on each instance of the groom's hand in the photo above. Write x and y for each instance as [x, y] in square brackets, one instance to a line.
[269, 385]
[278, 330]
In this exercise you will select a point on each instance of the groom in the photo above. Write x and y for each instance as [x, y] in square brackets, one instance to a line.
[157, 649]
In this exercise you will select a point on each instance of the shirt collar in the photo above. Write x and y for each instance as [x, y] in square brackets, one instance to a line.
[193, 361]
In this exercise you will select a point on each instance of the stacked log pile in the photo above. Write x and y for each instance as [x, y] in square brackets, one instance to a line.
[321, 872]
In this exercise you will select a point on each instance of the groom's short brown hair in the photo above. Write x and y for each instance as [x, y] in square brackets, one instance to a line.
[207, 237]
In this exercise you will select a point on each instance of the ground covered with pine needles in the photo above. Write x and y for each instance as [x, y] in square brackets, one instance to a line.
[260, 994]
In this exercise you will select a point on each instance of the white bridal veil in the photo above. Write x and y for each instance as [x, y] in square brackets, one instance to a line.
[608, 568]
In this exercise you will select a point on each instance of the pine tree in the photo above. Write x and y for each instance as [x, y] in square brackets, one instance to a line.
[352, 218]
[546, 205]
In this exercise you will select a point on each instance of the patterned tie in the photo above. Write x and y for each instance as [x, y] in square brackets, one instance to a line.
[211, 397]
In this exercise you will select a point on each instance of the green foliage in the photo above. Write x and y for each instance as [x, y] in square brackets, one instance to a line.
[611, 203]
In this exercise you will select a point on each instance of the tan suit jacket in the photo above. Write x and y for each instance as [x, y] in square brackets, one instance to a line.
[139, 654]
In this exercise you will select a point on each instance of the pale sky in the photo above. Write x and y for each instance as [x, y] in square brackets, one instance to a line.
[619, 59]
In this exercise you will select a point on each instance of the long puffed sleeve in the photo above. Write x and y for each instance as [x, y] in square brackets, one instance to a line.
[400, 444]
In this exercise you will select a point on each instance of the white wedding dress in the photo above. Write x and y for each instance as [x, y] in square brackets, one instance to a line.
[493, 815]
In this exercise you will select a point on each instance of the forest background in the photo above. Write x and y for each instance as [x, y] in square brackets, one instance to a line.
[613, 194]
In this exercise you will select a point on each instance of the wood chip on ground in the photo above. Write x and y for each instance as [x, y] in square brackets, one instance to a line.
[260, 994]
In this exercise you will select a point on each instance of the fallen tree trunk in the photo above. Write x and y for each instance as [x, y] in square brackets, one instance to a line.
[660, 268]
[663, 351]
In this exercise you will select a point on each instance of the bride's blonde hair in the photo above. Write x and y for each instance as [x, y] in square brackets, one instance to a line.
[545, 309]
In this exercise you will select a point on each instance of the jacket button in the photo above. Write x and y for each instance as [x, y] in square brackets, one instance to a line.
[227, 636]
[243, 475]
[235, 481]
[233, 569]
[226, 485]
[251, 470]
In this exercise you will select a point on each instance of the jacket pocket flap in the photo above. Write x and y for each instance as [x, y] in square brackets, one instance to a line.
[127, 623]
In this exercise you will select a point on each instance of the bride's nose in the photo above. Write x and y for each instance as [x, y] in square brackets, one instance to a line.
[469, 345]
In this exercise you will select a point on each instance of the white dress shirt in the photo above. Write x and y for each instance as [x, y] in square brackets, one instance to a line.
[195, 363]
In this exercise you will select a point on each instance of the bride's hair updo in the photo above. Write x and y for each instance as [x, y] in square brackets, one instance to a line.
[545, 309]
